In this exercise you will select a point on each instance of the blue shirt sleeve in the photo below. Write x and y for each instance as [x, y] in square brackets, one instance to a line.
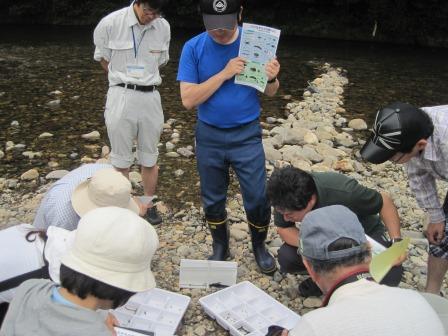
[188, 65]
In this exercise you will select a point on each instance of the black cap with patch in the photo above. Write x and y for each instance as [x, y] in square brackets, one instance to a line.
[397, 128]
[220, 14]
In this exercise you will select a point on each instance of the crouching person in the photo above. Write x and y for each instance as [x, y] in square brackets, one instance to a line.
[110, 260]
[337, 256]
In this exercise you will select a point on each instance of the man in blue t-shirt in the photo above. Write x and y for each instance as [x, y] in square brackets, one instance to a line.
[228, 132]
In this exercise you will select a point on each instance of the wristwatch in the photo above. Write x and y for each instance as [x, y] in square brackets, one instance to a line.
[272, 80]
[396, 240]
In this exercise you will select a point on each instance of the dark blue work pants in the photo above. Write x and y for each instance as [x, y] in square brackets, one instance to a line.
[218, 149]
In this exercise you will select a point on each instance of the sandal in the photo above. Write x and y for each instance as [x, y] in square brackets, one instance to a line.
[309, 288]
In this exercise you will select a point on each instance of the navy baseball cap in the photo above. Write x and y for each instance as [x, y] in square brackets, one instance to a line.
[397, 128]
[322, 227]
[220, 14]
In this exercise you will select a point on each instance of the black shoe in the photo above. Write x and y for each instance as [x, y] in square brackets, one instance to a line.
[220, 234]
[152, 216]
[264, 259]
[309, 288]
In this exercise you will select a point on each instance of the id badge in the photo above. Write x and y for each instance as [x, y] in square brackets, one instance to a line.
[135, 71]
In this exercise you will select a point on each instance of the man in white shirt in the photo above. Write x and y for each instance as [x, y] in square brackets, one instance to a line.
[336, 254]
[418, 138]
[131, 44]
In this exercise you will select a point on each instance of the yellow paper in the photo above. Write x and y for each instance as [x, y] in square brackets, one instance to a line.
[383, 262]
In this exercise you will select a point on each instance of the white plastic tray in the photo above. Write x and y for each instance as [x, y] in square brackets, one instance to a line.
[156, 310]
[244, 309]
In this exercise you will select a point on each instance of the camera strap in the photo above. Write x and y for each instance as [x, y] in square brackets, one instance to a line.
[353, 276]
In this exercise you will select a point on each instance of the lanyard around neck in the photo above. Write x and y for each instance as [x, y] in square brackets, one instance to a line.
[137, 46]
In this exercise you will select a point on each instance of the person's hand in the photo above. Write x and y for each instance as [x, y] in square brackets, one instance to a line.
[400, 259]
[234, 67]
[435, 232]
[142, 208]
[272, 68]
[111, 322]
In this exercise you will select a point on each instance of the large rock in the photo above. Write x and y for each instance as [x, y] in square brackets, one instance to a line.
[295, 136]
[30, 175]
[310, 138]
[357, 124]
[271, 153]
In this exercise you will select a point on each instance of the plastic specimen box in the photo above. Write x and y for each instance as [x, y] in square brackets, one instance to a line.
[244, 309]
[156, 310]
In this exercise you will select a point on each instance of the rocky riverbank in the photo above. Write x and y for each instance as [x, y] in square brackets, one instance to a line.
[314, 136]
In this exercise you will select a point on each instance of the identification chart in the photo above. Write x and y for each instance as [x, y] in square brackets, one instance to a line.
[258, 46]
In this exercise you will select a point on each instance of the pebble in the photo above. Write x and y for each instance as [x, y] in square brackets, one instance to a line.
[2, 154]
[45, 135]
[357, 124]
[172, 154]
[178, 172]
[54, 103]
[30, 175]
[56, 174]
[15, 123]
[92, 136]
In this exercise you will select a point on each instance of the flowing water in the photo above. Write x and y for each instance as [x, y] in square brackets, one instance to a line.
[37, 60]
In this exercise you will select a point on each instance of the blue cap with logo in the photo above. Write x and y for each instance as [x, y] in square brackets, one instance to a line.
[220, 14]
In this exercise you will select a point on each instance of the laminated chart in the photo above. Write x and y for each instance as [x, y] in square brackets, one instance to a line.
[258, 46]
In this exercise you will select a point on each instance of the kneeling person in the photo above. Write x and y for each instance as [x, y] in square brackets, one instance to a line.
[293, 193]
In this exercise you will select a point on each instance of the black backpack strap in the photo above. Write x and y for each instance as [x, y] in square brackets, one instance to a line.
[17, 280]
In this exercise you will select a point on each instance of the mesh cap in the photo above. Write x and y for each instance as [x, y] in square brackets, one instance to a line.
[397, 128]
[220, 14]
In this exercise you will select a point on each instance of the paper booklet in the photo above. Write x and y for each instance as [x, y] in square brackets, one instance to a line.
[258, 46]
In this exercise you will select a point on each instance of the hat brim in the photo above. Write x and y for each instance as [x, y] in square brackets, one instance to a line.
[82, 204]
[375, 154]
[225, 21]
[131, 281]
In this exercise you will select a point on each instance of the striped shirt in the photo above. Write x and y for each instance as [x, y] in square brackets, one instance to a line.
[431, 165]
[56, 207]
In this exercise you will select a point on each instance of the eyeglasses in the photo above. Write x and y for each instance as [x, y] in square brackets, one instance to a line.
[149, 10]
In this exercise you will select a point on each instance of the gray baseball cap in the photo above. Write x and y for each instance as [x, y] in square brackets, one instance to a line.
[322, 227]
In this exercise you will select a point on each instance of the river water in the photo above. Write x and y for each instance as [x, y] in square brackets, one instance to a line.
[37, 60]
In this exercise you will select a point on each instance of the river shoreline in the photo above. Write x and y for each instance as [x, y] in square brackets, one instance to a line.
[316, 135]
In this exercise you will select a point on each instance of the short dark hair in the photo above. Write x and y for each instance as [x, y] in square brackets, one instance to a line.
[290, 188]
[420, 126]
[154, 4]
[325, 266]
[81, 285]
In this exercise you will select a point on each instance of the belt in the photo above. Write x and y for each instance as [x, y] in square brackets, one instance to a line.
[143, 88]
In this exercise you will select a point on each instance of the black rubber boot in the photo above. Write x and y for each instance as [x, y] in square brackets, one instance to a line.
[220, 234]
[264, 259]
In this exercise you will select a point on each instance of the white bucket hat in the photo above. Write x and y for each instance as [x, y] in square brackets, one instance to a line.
[115, 246]
[107, 187]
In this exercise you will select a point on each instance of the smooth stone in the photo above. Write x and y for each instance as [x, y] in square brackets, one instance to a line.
[53, 164]
[357, 124]
[271, 120]
[45, 135]
[185, 152]
[239, 235]
[20, 146]
[9, 145]
[14, 123]
[135, 177]
[94, 135]
[312, 302]
[169, 146]
[310, 138]
[30, 175]
[2, 154]
[272, 154]
[32, 155]
[105, 151]
[54, 103]
[56, 92]
[56, 174]
[172, 154]
[75, 97]
[87, 159]
[178, 172]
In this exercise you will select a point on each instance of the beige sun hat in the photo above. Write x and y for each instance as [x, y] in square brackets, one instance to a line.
[115, 246]
[107, 187]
